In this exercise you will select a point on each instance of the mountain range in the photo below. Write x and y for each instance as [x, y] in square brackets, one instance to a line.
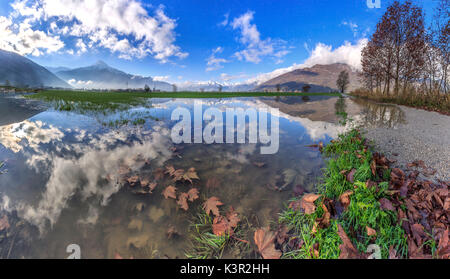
[321, 78]
[102, 76]
[20, 71]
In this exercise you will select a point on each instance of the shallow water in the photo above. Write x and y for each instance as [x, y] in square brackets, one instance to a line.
[65, 180]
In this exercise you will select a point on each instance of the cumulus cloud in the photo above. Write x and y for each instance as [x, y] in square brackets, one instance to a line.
[24, 40]
[213, 62]
[347, 53]
[161, 78]
[122, 26]
[255, 47]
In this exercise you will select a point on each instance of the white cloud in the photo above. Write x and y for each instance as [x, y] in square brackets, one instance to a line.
[81, 46]
[22, 39]
[122, 26]
[213, 62]
[255, 47]
[161, 78]
[352, 26]
[347, 53]
[80, 83]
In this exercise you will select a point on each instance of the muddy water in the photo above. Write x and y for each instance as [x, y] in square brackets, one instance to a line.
[66, 172]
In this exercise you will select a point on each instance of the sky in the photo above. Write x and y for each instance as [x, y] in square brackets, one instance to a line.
[181, 41]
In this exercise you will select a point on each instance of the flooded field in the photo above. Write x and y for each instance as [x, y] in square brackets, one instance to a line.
[99, 179]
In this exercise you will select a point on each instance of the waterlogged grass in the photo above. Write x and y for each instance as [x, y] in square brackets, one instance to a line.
[346, 153]
[204, 244]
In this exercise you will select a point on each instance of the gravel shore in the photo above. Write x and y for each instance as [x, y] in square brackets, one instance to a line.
[425, 136]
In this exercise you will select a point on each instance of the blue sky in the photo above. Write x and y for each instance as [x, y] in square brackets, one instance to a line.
[180, 40]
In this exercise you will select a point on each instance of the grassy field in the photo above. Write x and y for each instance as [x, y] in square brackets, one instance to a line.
[131, 97]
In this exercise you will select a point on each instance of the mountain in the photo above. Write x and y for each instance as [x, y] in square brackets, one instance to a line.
[321, 78]
[57, 69]
[214, 86]
[102, 76]
[22, 72]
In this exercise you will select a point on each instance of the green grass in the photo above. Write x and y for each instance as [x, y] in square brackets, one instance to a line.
[132, 97]
[204, 244]
[346, 153]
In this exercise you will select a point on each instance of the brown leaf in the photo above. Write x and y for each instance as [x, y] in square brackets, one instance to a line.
[264, 240]
[190, 174]
[392, 253]
[193, 194]
[211, 205]
[447, 204]
[307, 203]
[386, 204]
[169, 192]
[345, 198]
[351, 176]
[233, 217]
[397, 177]
[220, 226]
[4, 223]
[444, 247]
[370, 231]
[418, 233]
[182, 201]
[373, 167]
[348, 251]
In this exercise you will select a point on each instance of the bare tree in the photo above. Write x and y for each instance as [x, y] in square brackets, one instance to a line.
[278, 87]
[174, 87]
[306, 88]
[395, 53]
[343, 81]
[147, 88]
[220, 88]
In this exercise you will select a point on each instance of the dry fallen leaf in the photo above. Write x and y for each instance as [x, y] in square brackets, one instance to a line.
[370, 231]
[348, 251]
[351, 176]
[223, 225]
[386, 204]
[152, 186]
[264, 239]
[345, 198]
[169, 192]
[211, 205]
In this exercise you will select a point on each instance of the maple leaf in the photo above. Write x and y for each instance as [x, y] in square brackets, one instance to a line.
[264, 240]
[444, 247]
[193, 194]
[211, 206]
[307, 203]
[345, 198]
[182, 201]
[190, 174]
[220, 226]
[170, 170]
[373, 167]
[386, 204]
[169, 192]
[348, 251]
[178, 175]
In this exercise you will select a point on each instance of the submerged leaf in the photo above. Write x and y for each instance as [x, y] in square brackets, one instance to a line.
[264, 240]
[193, 194]
[211, 205]
[182, 201]
[169, 192]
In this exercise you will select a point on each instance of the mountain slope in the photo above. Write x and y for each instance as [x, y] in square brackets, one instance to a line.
[21, 72]
[102, 76]
[321, 78]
